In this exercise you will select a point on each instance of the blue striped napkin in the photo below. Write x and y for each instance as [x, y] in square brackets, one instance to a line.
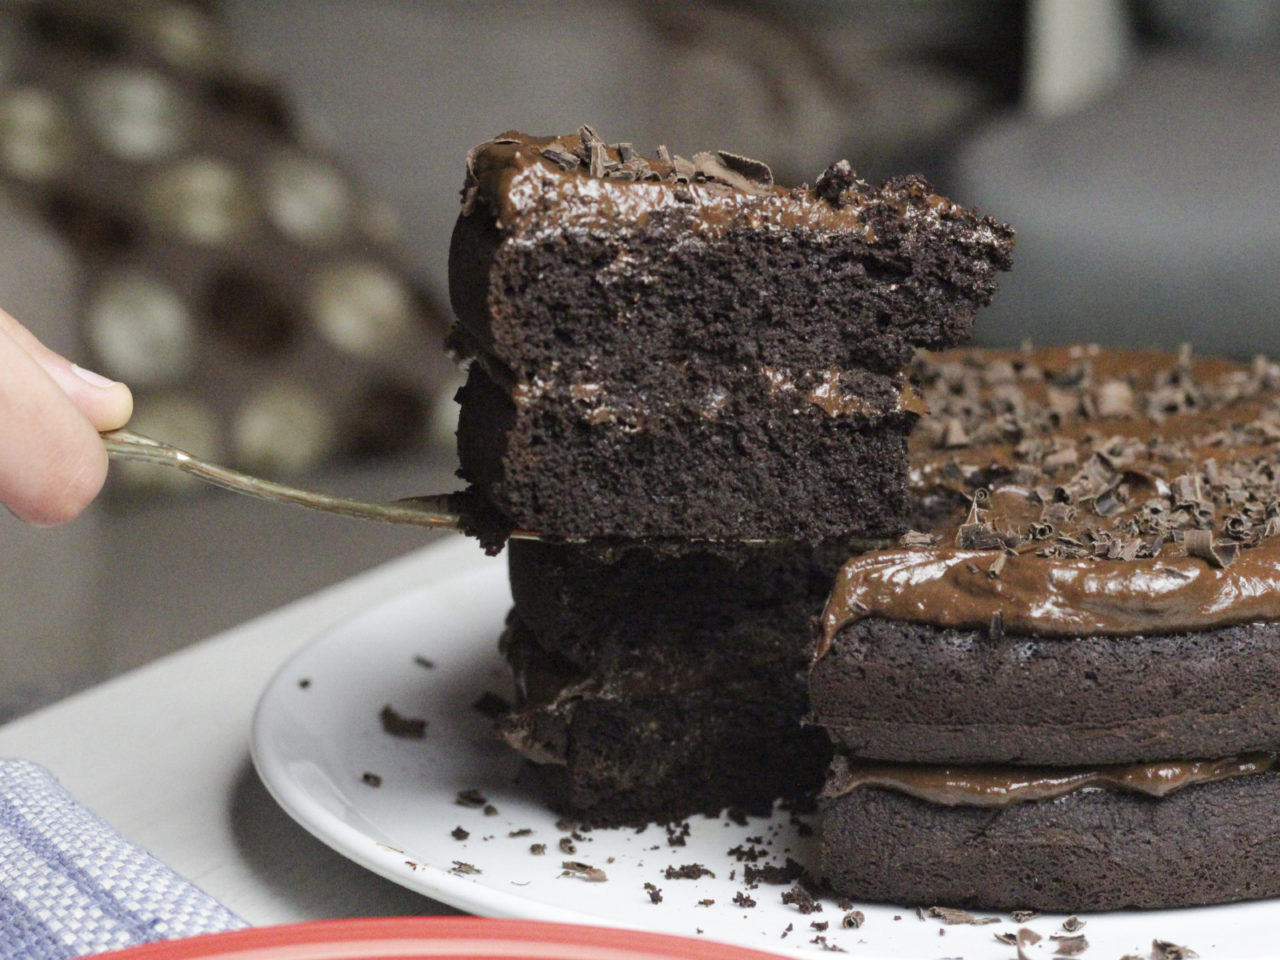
[70, 885]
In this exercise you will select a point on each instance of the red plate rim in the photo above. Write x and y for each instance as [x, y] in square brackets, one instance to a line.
[408, 938]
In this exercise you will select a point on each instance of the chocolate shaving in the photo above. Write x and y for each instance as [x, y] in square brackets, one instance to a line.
[952, 916]
[599, 159]
[461, 868]
[1199, 543]
[1069, 944]
[684, 169]
[561, 158]
[1026, 938]
[583, 871]
[398, 725]
[755, 170]
[834, 181]
[1164, 950]
[710, 166]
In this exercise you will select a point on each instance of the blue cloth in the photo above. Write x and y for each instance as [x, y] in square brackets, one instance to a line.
[70, 885]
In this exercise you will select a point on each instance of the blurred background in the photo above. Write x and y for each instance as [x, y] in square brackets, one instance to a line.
[242, 208]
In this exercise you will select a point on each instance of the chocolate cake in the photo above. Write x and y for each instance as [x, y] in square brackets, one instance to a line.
[682, 349]
[654, 686]
[1056, 692]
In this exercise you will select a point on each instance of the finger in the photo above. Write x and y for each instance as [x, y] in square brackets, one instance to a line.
[52, 461]
[106, 403]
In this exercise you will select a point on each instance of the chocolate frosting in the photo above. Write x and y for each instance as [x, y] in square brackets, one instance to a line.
[587, 184]
[1078, 491]
[1001, 786]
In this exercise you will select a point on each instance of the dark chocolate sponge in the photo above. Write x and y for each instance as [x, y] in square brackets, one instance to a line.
[631, 604]
[917, 693]
[649, 745]
[1092, 850]
[674, 458]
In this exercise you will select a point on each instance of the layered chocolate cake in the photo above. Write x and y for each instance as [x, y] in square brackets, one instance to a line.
[1058, 692]
[682, 349]
[653, 686]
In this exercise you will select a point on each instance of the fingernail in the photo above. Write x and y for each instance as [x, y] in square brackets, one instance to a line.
[91, 378]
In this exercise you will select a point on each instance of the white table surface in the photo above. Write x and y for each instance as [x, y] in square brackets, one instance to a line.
[162, 754]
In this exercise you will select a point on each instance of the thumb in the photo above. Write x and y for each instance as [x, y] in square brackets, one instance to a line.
[105, 403]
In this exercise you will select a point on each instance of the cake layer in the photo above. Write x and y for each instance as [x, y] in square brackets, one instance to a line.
[1094, 577]
[606, 606]
[1090, 850]
[576, 255]
[640, 745]
[891, 690]
[691, 453]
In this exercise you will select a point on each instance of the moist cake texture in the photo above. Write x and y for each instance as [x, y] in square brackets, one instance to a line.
[1092, 582]
[653, 686]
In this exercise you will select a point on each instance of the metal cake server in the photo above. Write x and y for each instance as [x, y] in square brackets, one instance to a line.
[429, 511]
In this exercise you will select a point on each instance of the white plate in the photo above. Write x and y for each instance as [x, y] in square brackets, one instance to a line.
[317, 733]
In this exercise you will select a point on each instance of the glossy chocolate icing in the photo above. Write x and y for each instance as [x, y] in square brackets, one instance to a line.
[1000, 786]
[523, 180]
[1078, 491]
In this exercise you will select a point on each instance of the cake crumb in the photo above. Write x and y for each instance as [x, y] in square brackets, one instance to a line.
[690, 871]
[655, 892]
[371, 779]
[458, 833]
[801, 899]
[470, 798]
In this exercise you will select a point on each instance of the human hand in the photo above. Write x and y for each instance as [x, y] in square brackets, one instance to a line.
[52, 460]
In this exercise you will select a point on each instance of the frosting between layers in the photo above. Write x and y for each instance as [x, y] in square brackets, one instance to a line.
[837, 393]
[1001, 786]
[1084, 492]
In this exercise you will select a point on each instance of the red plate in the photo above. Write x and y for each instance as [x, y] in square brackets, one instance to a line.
[459, 938]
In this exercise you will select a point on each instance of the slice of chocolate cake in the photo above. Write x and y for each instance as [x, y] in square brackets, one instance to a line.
[672, 349]
[654, 686]
[1057, 694]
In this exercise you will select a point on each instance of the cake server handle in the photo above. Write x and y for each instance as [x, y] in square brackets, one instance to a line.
[428, 511]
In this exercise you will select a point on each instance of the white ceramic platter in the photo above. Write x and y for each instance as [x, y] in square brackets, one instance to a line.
[317, 735]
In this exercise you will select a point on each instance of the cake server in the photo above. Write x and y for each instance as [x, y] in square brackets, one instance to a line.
[428, 511]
